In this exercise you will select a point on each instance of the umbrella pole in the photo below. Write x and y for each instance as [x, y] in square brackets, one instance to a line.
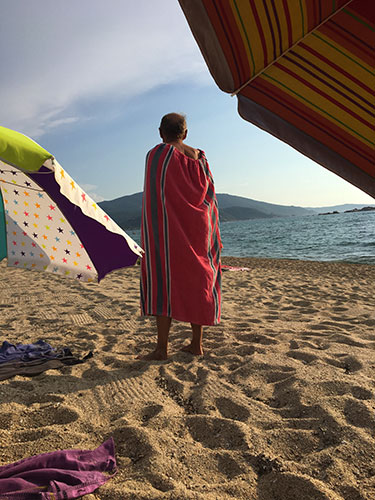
[3, 233]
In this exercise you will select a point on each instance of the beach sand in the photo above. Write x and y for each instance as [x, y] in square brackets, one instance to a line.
[281, 407]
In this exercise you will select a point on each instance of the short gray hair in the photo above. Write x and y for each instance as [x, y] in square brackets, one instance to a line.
[173, 126]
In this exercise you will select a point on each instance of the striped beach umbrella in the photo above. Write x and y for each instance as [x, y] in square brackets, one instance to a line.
[48, 223]
[303, 70]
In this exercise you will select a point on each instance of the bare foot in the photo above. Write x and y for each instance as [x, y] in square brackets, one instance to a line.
[192, 349]
[156, 355]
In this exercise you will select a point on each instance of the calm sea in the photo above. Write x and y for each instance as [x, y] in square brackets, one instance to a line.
[346, 237]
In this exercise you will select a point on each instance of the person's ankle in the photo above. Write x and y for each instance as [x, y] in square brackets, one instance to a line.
[162, 349]
[196, 344]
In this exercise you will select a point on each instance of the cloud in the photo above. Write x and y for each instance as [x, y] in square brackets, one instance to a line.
[68, 56]
[90, 190]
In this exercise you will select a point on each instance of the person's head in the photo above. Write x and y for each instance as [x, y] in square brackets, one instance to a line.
[173, 127]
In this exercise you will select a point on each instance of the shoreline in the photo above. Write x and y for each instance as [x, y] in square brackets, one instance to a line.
[271, 263]
[281, 403]
[357, 263]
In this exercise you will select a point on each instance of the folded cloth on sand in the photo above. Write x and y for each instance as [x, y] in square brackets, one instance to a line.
[26, 352]
[233, 268]
[32, 359]
[59, 475]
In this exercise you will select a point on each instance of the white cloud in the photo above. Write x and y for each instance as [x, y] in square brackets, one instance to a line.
[68, 54]
[90, 190]
[62, 121]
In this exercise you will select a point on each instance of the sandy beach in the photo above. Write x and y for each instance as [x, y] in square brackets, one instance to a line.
[281, 406]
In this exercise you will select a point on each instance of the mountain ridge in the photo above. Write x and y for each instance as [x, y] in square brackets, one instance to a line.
[126, 210]
[341, 208]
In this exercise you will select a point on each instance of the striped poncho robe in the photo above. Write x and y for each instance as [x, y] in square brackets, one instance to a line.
[181, 272]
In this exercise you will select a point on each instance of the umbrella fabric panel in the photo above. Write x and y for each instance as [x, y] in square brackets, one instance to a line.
[329, 84]
[107, 250]
[313, 76]
[21, 151]
[304, 143]
[252, 34]
[89, 207]
[39, 236]
[3, 247]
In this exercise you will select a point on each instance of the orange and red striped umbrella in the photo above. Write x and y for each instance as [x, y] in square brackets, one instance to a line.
[303, 70]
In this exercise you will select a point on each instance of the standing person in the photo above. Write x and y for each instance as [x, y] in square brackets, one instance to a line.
[181, 271]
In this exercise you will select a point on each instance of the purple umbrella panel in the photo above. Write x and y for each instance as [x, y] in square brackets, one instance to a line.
[53, 225]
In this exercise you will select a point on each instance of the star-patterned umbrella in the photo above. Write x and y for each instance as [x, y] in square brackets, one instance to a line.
[48, 223]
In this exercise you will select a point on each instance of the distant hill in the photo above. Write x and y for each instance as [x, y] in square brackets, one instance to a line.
[241, 213]
[228, 201]
[340, 208]
[126, 211]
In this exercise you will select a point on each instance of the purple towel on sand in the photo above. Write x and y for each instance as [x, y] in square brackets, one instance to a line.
[26, 352]
[59, 475]
[33, 359]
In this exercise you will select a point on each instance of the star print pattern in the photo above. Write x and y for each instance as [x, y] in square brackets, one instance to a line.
[38, 235]
[76, 195]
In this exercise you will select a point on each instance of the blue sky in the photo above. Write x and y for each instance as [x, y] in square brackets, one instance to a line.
[89, 80]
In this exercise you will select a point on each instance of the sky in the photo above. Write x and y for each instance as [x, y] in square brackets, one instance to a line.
[90, 80]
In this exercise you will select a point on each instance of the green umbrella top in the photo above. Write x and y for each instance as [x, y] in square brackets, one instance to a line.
[21, 151]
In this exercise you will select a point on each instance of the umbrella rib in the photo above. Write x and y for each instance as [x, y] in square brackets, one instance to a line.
[25, 171]
[288, 50]
[20, 186]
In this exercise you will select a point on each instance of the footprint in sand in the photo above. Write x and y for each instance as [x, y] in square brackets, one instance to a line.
[95, 373]
[337, 388]
[305, 357]
[32, 435]
[257, 339]
[185, 374]
[213, 432]
[340, 309]
[282, 486]
[273, 377]
[359, 415]
[348, 363]
[351, 492]
[149, 412]
[302, 303]
[271, 317]
[49, 416]
[242, 325]
[244, 350]
[301, 442]
[43, 398]
[228, 465]
[310, 311]
[361, 393]
[108, 360]
[288, 308]
[132, 442]
[230, 409]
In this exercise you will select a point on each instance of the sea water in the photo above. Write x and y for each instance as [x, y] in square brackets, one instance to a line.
[348, 237]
